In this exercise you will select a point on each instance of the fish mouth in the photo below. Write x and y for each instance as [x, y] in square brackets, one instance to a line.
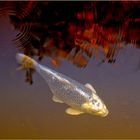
[103, 113]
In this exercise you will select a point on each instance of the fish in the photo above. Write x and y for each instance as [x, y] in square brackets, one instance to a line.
[80, 98]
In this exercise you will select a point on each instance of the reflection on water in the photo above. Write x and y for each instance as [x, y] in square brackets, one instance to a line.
[28, 111]
[73, 31]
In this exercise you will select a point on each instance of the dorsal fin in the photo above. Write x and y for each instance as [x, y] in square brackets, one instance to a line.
[90, 87]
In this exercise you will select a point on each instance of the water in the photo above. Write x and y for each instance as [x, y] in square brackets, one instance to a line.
[28, 111]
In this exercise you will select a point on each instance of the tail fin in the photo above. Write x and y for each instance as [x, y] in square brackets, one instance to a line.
[25, 61]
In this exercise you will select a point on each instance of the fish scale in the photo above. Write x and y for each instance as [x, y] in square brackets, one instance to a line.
[68, 93]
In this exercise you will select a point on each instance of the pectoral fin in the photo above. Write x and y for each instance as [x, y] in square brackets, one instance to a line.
[87, 105]
[55, 99]
[72, 111]
[90, 87]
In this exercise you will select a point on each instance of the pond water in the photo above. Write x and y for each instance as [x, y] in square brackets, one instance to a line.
[29, 112]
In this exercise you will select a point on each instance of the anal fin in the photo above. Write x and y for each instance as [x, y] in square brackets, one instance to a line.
[55, 99]
[72, 111]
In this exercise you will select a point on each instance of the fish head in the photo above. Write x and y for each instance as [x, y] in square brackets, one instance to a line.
[95, 106]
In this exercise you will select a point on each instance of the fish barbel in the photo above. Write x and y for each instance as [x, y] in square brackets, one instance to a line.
[80, 98]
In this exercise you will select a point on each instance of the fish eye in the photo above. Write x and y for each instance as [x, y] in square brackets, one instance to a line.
[98, 104]
[94, 101]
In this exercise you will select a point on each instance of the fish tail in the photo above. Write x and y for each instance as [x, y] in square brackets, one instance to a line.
[26, 62]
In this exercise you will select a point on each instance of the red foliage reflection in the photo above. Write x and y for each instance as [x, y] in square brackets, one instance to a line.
[75, 31]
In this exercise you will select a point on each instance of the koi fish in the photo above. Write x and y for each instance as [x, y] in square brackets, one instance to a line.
[80, 98]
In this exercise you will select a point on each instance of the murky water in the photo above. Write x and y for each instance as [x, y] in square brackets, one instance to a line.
[29, 112]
